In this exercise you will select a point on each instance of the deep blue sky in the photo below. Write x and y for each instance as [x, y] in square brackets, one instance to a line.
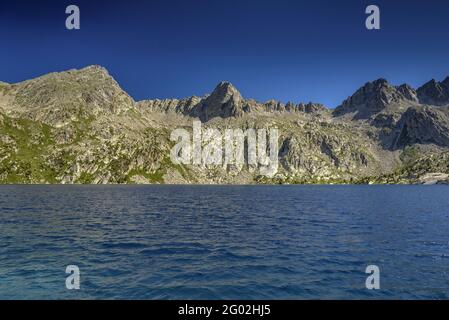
[289, 50]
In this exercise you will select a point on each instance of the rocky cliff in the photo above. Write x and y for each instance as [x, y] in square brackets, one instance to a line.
[80, 126]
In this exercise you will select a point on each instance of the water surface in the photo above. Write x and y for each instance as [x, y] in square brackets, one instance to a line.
[224, 242]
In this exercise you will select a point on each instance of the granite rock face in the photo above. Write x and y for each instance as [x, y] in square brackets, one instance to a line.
[434, 93]
[408, 93]
[80, 126]
[224, 102]
[56, 98]
[374, 97]
[423, 125]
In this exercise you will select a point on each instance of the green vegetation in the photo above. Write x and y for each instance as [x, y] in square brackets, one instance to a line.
[81, 127]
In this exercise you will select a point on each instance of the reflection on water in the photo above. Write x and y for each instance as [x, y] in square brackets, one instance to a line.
[230, 242]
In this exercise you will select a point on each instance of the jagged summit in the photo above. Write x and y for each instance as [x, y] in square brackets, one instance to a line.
[223, 92]
[380, 82]
[225, 101]
[435, 93]
[446, 81]
[79, 126]
[408, 92]
[225, 85]
[373, 97]
[378, 95]
[58, 96]
[94, 86]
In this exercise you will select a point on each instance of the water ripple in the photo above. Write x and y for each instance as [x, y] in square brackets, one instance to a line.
[224, 242]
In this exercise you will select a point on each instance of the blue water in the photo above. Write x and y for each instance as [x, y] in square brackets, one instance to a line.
[224, 242]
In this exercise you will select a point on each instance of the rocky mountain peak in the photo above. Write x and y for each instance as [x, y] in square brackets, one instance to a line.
[446, 82]
[405, 87]
[408, 92]
[95, 72]
[94, 68]
[373, 97]
[57, 97]
[225, 91]
[79, 126]
[225, 101]
[379, 82]
[434, 93]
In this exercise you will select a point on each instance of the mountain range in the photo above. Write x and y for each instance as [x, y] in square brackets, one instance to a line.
[80, 126]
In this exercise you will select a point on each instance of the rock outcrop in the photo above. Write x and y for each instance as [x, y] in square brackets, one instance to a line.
[80, 126]
[434, 93]
[408, 93]
[57, 98]
[374, 97]
[423, 125]
[224, 102]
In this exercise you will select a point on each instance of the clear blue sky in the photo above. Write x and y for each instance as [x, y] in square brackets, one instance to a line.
[289, 50]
